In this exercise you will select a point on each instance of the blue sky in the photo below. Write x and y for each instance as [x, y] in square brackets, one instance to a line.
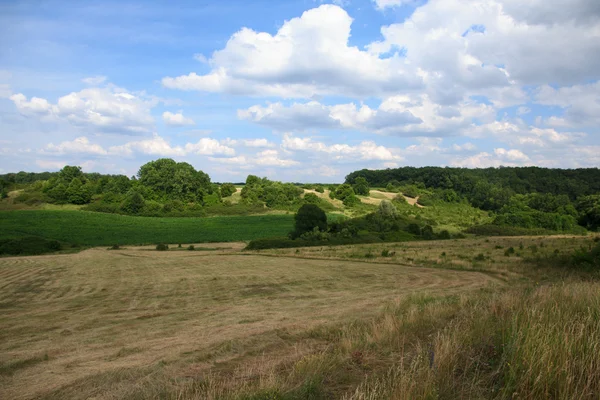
[299, 90]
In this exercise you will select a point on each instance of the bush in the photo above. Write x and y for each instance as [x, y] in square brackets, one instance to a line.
[227, 189]
[30, 245]
[162, 247]
[115, 247]
[351, 201]
[311, 198]
[319, 189]
[415, 229]
[309, 217]
[191, 247]
[444, 235]
[427, 232]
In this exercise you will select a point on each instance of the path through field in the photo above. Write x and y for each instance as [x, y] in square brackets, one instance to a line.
[67, 321]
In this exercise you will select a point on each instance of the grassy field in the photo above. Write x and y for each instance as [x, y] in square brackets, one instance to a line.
[97, 229]
[450, 319]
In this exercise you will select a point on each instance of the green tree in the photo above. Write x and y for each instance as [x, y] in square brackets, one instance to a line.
[169, 180]
[589, 211]
[68, 173]
[387, 210]
[78, 193]
[227, 189]
[311, 198]
[309, 217]
[134, 203]
[361, 186]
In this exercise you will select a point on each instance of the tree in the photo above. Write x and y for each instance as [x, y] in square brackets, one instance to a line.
[134, 203]
[170, 180]
[387, 210]
[227, 189]
[78, 193]
[309, 217]
[589, 210]
[311, 198]
[361, 186]
[68, 173]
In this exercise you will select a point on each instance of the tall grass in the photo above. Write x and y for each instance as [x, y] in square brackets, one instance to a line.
[541, 343]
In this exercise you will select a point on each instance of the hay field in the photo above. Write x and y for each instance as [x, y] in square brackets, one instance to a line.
[137, 323]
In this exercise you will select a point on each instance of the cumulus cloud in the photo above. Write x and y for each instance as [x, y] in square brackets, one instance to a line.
[308, 56]
[101, 110]
[176, 119]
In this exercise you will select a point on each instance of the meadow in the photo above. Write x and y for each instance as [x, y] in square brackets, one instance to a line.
[447, 319]
[98, 229]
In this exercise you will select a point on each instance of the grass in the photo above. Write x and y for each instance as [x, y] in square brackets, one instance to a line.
[109, 318]
[440, 320]
[97, 229]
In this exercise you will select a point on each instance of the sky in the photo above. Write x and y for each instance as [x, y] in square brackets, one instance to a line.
[299, 90]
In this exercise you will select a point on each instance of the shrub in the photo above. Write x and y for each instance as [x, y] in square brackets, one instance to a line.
[311, 198]
[444, 235]
[351, 201]
[415, 229]
[29, 245]
[319, 189]
[227, 189]
[115, 247]
[309, 217]
[191, 247]
[162, 247]
[427, 232]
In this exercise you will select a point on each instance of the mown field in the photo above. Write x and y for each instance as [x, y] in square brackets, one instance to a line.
[98, 229]
[452, 319]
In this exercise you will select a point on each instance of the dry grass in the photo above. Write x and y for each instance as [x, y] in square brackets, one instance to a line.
[137, 323]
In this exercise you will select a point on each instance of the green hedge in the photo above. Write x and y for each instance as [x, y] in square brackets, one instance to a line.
[29, 245]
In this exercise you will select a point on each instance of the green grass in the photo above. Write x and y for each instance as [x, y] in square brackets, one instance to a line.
[97, 229]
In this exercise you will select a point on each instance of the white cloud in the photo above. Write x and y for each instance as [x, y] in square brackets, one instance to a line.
[208, 146]
[581, 104]
[519, 134]
[383, 4]
[80, 145]
[366, 150]
[399, 115]
[500, 157]
[95, 80]
[255, 143]
[272, 158]
[308, 56]
[51, 165]
[111, 110]
[156, 146]
[176, 119]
